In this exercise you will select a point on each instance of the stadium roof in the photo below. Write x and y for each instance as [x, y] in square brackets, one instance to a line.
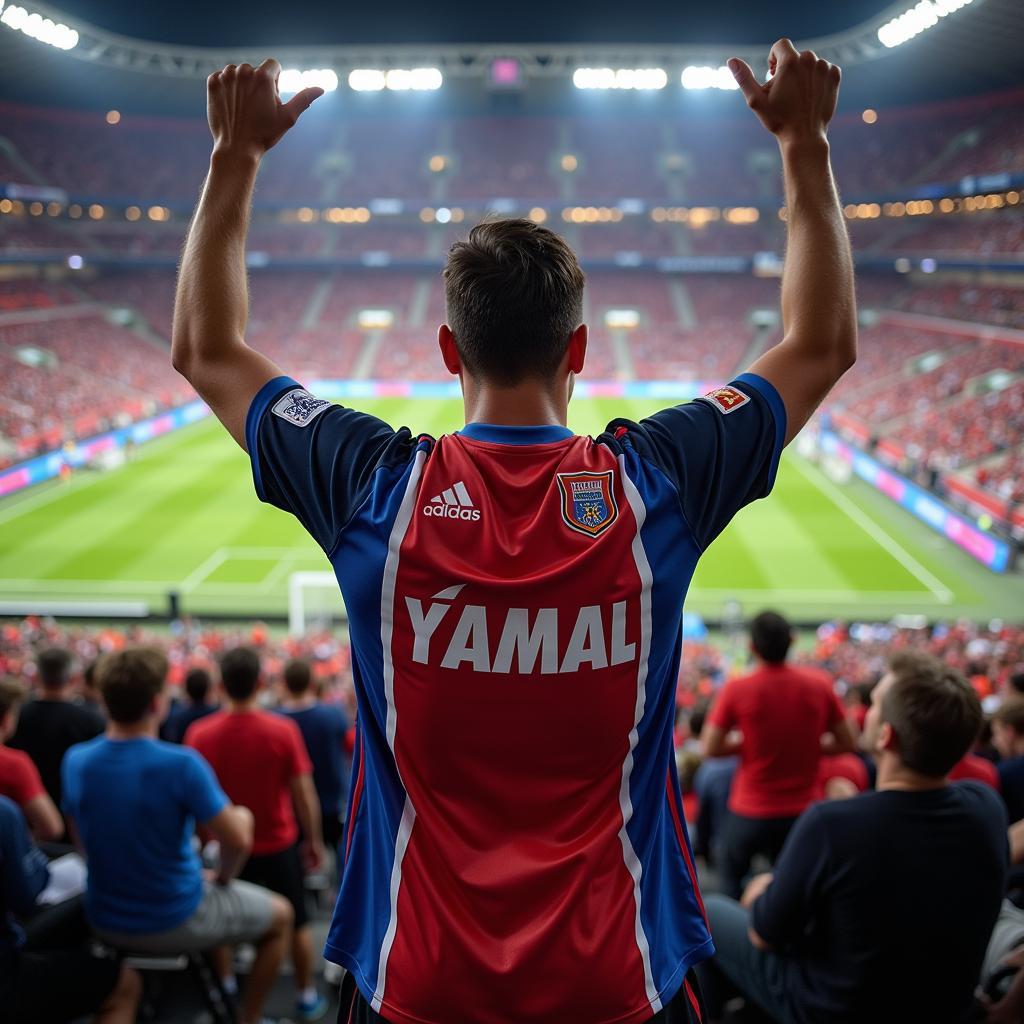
[154, 57]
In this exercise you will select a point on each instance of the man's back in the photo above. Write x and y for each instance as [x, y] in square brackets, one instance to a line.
[323, 729]
[134, 804]
[782, 712]
[46, 729]
[515, 839]
[256, 755]
[902, 889]
[181, 717]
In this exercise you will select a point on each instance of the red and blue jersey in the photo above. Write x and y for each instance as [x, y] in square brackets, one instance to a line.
[516, 848]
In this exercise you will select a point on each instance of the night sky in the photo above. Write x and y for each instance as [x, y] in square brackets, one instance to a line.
[233, 22]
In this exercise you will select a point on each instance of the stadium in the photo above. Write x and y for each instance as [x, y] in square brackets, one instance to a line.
[129, 519]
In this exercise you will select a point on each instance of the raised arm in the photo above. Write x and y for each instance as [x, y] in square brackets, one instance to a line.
[819, 314]
[211, 306]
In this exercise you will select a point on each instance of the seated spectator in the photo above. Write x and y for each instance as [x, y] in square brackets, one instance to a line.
[261, 761]
[323, 727]
[90, 695]
[841, 776]
[52, 723]
[133, 801]
[19, 777]
[1008, 739]
[881, 907]
[775, 720]
[198, 685]
[58, 985]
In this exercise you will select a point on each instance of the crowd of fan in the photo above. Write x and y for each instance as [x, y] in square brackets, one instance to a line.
[807, 764]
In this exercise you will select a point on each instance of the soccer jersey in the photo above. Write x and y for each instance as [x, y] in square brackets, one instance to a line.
[515, 847]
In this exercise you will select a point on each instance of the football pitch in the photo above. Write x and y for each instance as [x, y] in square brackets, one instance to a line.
[182, 516]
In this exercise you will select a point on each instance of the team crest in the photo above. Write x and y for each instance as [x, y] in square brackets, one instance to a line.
[588, 501]
[727, 399]
[299, 407]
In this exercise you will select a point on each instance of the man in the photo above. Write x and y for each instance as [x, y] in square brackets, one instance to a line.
[514, 593]
[56, 985]
[1008, 739]
[881, 907]
[323, 728]
[261, 761]
[19, 777]
[198, 685]
[775, 720]
[133, 803]
[52, 723]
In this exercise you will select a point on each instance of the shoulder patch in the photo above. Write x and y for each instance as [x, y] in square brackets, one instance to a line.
[727, 399]
[588, 501]
[298, 406]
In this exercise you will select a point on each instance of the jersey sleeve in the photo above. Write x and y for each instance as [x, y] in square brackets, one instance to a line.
[25, 780]
[723, 711]
[721, 451]
[312, 458]
[203, 796]
[298, 757]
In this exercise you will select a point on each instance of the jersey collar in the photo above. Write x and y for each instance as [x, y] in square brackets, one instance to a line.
[499, 434]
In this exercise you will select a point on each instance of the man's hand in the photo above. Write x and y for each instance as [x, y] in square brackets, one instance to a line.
[755, 888]
[798, 102]
[244, 109]
[314, 855]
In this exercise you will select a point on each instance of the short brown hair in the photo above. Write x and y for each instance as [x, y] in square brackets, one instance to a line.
[298, 676]
[130, 680]
[12, 694]
[1011, 713]
[934, 712]
[514, 295]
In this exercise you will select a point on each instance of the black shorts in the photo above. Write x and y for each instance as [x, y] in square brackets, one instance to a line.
[686, 1008]
[57, 986]
[282, 873]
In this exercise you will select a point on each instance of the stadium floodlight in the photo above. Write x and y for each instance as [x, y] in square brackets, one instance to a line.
[620, 78]
[293, 80]
[397, 79]
[700, 76]
[35, 26]
[917, 19]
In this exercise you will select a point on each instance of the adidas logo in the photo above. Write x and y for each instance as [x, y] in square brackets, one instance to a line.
[453, 503]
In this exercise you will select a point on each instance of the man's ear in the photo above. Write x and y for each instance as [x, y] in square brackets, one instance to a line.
[886, 737]
[577, 351]
[449, 351]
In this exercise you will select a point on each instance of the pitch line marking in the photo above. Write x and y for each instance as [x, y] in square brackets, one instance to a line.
[873, 530]
[207, 566]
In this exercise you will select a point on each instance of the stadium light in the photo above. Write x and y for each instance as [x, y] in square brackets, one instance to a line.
[293, 80]
[35, 26]
[699, 76]
[397, 79]
[620, 78]
[920, 17]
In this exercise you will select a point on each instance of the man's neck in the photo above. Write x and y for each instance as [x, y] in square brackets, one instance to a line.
[306, 700]
[894, 775]
[529, 404]
[146, 729]
[240, 707]
[57, 696]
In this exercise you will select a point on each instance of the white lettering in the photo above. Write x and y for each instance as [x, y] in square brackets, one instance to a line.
[622, 653]
[587, 641]
[469, 641]
[471, 515]
[518, 639]
[424, 626]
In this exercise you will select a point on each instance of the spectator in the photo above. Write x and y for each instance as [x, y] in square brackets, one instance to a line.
[1008, 738]
[198, 685]
[323, 727]
[133, 802]
[262, 763]
[58, 985]
[782, 714]
[19, 777]
[52, 723]
[1016, 686]
[90, 695]
[844, 934]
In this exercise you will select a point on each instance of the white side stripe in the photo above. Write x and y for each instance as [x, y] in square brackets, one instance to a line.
[643, 567]
[387, 628]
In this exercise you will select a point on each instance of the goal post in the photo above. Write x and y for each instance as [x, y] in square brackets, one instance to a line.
[314, 600]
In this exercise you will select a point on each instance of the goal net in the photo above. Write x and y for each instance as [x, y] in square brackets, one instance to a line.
[314, 602]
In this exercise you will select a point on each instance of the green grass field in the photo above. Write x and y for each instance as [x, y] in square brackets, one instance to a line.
[183, 516]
